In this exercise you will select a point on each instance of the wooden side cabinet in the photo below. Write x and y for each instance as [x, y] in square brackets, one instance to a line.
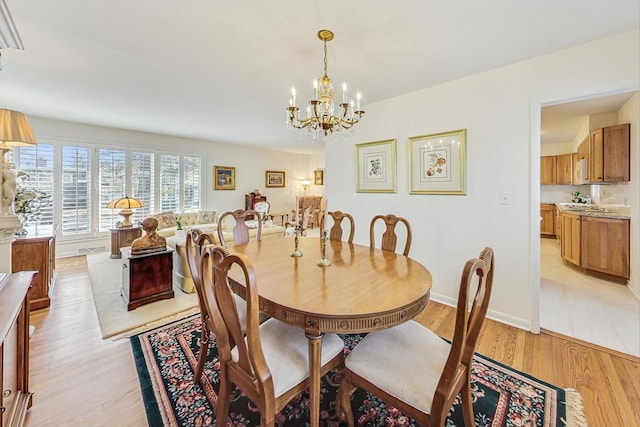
[548, 215]
[605, 245]
[146, 278]
[121, 237]
[39, 254]
[250, 201]
[16, 398]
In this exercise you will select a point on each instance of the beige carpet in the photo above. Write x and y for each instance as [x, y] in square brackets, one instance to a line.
[115, 321]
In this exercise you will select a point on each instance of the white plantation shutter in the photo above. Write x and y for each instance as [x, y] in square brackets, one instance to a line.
[111, 180]
[143, 183]
[76, 191]
[169, 183]
[192, 185]
[37, 163]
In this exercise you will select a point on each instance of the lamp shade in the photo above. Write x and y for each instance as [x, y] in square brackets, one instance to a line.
[125, 203]
[305, 182]
[14, 129]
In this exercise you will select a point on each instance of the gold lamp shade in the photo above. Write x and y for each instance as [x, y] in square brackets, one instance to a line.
[125, 204]
[14, 130]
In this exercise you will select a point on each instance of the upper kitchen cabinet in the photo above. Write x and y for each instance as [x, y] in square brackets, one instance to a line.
[609, 154]
[556, 170]
[548, 170]
[564, 169]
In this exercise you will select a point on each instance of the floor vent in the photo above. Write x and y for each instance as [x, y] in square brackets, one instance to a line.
[87, 251]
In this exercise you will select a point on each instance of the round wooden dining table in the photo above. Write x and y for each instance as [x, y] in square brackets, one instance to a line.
[363, 290]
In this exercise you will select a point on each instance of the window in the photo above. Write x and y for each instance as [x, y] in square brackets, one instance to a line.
[111, 178]
[82, 179]
[36, 164]
[192, 188]
[143, 183]
[76, 191]
[169, 182]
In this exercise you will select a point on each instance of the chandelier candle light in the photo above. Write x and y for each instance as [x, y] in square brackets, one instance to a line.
[322, 118]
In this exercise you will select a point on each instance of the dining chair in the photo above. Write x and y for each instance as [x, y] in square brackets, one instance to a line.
[389, 237]
[335, 233]
[428, 372]
[240, 229]
[263, 209]
[196, 241]
[271, 365]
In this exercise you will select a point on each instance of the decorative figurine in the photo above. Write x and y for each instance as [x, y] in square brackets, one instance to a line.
[150, 242]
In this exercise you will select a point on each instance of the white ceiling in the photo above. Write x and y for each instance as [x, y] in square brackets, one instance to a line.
[222, 71]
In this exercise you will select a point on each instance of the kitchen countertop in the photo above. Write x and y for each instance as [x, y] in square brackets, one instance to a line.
[613, 212]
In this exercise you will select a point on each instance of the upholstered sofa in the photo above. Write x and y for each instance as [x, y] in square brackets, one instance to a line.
[181, 273]
[204, 220]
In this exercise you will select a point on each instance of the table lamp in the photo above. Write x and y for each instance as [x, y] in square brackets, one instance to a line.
[14, 131]
[126, 204]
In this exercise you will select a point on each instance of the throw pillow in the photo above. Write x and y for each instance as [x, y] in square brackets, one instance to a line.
[165, 220]
[207, 217]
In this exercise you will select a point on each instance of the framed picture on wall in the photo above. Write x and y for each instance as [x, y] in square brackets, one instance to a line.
[224, 178]
[376, 167]
[318, 177]
[437, 163]
[274, 179]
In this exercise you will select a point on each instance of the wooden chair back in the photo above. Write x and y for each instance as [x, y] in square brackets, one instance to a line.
[389, 237]
[240, 229]
[456, 375]
[195, 242]
[336, 231]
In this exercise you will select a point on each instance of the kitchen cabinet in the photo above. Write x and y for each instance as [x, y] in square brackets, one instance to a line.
[36, 253]
[548, 215]
[564, 169]
[605, 245]
[570, 244]
[548, 170]
[609, 154]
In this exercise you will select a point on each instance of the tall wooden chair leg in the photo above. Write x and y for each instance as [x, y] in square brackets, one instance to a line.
[224, 395]
[467, 403]
[343, 402]
[202, 357]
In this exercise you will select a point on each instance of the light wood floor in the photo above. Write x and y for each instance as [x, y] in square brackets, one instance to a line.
[80, 379]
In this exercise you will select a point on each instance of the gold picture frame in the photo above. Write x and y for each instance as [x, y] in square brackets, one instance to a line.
[274, 179]
[376, 167]
[224, 178]
[437, 163]
[318, 177]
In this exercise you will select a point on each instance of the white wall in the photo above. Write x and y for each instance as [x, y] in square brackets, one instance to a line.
[630, 113]
[250, 164]
[501, 111]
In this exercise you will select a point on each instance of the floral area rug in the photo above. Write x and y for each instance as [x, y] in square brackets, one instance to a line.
[166, 358]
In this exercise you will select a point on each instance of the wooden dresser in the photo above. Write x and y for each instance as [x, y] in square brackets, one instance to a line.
[15, 398]
[37, 253]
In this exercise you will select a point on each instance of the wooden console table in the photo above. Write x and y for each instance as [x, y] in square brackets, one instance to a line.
[146, 278]
[15, 398]
[37, 253]
[121, 237]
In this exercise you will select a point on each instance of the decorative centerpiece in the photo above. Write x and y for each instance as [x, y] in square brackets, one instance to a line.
[324, 262]
[296, 251]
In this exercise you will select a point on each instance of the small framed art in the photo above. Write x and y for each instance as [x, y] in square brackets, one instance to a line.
[224, 178]
[376, 167]
[437, 163]
[318, 177]
[274, 179]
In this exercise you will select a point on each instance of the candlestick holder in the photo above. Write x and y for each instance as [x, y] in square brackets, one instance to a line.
[324, 261]
[296, 252]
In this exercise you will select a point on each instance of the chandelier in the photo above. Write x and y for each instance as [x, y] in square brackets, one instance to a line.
[322, 118]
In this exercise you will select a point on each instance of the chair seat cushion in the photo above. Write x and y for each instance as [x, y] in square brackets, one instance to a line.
[286, 351]
[411, 375]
